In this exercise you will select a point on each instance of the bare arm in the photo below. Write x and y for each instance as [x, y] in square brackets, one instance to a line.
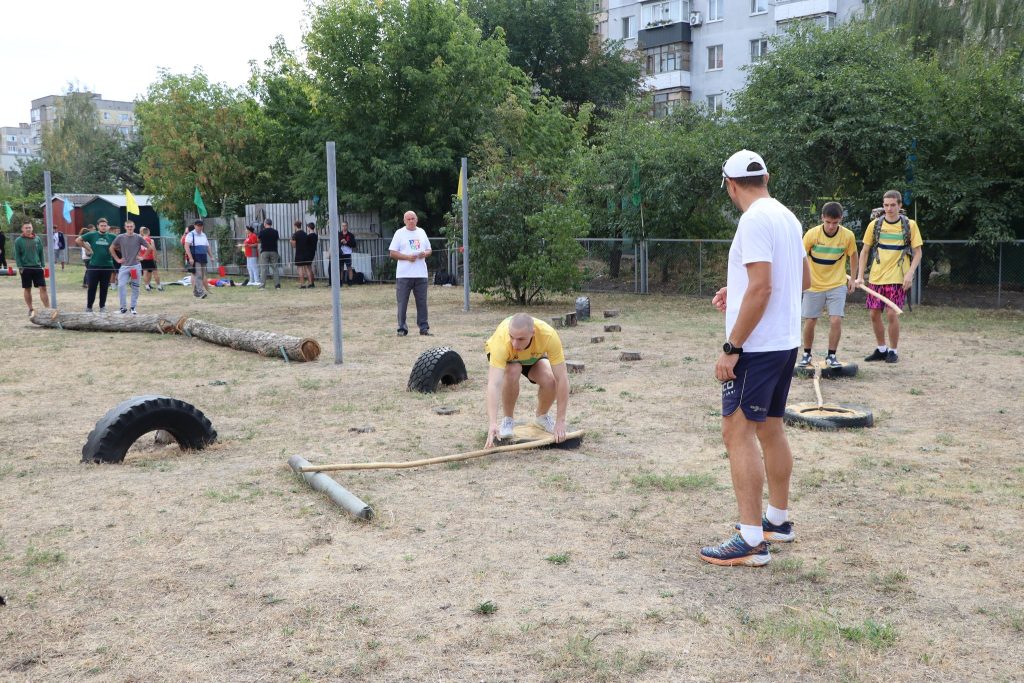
[908, 279]
[854, 261]
[865, 252]
[755, 301]
[807, 275]
[495, 381]
[399, 256]
[114, 253]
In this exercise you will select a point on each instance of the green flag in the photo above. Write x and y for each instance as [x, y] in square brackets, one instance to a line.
[198, 200]
[8, 211]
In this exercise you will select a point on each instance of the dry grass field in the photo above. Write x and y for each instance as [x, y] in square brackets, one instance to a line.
[547, 565]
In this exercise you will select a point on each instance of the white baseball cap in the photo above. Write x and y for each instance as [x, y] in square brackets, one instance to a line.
[743, 164]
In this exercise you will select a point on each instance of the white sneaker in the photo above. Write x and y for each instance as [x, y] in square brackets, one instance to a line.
[133, 312]
[507, 428]
[545, 422]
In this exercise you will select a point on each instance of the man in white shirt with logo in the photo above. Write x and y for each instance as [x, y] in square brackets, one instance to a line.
[767, 273]
[411, 248]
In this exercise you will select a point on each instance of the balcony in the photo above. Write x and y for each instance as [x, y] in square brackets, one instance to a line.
[665, 34]
[800, 9]
[668, 79]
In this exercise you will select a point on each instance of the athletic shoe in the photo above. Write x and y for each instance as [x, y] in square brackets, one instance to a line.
[805, 360]
[302, 287]
[775, 533]
[159, 288]
[831, 362]
[736, 552]
[402, 333]
[426, 333]
[124, 311]
[277, 286]
[88, 309]
[244, 283]
[103, 309]
[507, 428]
[203, 296]
[312, 285]
[892, 357]
[545, 422]
[261, 285]
[133, 312]
[876, 355]
[149, 288]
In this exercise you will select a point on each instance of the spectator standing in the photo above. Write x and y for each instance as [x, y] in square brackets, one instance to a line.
[348, 245]
[28, 256]
[150, 271]
[130, 246]
[101, 263]
[60, 249]
[269, 258]
[312, 239]
[3, 250]
[197, 250]
[251, 248]
[410, 247]
[85, 255]
[299, 253]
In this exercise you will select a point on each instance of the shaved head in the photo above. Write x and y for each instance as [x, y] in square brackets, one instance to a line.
[521, 322]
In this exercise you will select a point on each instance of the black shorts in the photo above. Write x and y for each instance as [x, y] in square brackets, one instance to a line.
[148, 265]
[526, 369]
[761, 386]
[346, 258]
[32, 276]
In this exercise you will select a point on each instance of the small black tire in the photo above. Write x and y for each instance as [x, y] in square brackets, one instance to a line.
[436, 366]
[844, 370]
[830, 416]
[123, 424]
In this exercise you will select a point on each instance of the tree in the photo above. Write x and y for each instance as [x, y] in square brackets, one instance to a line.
[195, 133]
[553, 42]
[942, 27]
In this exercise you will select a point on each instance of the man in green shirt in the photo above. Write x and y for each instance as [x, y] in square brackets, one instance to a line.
[101, 262]
[28, 256]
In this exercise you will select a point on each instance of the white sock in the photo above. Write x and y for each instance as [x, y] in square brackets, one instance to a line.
[893, 349]
[883, 348]
[776, 516]
[752, 535]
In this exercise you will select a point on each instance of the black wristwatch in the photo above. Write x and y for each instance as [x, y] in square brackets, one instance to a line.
[731, 350]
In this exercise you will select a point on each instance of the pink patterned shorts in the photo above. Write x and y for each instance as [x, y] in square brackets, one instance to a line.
[895, 293]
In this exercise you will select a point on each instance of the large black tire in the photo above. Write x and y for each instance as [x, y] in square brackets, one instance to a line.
[844, 370]
[439, 365]
[116, 431]
[830, 417]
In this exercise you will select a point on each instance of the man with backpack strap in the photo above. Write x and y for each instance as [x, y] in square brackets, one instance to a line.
[892, 249]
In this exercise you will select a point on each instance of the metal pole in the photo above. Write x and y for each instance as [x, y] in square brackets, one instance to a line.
[341, 496]
[999, 284]
[49, 239]
[465, 233]
[332, 199]
[700, 268]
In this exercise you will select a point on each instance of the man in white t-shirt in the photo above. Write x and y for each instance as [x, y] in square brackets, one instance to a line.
[411, 248]
[767, 273]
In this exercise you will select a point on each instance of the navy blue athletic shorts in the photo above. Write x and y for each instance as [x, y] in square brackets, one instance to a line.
[761, 386]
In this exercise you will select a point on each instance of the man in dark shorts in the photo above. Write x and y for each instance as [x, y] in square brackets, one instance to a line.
[28, 256]
[309, 254]
[147, 258]
[761, 301]
[299, 253]
[892, 249]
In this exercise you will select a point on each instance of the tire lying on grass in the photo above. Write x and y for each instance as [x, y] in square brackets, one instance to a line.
[830, 416]
[123, 424]
[436, 366]
[844, 370]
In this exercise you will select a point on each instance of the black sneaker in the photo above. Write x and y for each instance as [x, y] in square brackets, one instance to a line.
[781, 533]
[877, 355]
[312, 285]
[402, 333]
[892, 357]
[832, 362]
[277, 286]
[426, 333]
[124, 311]
[736, 552]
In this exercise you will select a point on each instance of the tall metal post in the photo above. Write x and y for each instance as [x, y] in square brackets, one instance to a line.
[335, 228]
[49, 239]
[999, 284]
[465, 233]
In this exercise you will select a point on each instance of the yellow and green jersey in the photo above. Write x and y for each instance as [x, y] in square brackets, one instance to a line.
[828, 256]
[893, 263]
[545, 344]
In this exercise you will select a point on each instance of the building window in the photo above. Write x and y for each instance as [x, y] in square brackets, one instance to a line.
[125, 117]
[628, 28]
[716, 10]
[672, 57]
[758, 6]
[716, 102]
[106, 116]
[716, 58]
[665, 102]
[12, 138]
[664, 12]
[758, 49]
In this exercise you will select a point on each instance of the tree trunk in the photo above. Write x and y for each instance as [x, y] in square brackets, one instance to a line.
[104, 322]
[614, 261]
[270, 344]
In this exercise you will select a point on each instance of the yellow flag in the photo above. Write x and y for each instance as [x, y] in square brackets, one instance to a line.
[130, 204]
[459, 193]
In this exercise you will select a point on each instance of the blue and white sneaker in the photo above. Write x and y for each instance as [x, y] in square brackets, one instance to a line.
[775, 533]
[736, 553]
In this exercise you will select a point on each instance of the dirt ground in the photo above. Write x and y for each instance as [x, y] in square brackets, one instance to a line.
[548, 565]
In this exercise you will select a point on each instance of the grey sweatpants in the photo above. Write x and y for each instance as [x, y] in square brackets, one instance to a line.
[418, 286]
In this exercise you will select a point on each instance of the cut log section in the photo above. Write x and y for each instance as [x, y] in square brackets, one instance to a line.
[569, 319]
[103, 322]
[557, 321]
[613, 313]
[270, 344]
[613, 328]
[574, 366]
[596, 340]
[629, 355]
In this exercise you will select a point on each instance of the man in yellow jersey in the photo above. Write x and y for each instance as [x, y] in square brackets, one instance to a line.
[829, 246]
[523, 345]
[892, 247]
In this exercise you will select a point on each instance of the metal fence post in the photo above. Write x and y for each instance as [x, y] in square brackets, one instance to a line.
[999, 283]
[700, 268]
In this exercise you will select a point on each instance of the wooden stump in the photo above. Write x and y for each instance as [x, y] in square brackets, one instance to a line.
[613, 313]
[269, 344]
[629, 355]
[596, 340]
[103, 322]
[557, 321]
[613, 328]
[574, 366]
[569, 319]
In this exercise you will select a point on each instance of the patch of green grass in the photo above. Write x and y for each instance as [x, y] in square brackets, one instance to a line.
[578, 659]
[5, 470]
[558, 558]
[223, 496]
[916, 392]
[486, 608]
[36, 558]
[310, 384]
[870, 633]
[892, 582]
[672, 482]
[562, 482]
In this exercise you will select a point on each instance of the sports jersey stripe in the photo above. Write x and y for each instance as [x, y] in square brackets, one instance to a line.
[827, 250]
[824, 262]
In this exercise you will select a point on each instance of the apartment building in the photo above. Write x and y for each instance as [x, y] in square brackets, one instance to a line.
[696, 50]
[14, 145]
[113, 114]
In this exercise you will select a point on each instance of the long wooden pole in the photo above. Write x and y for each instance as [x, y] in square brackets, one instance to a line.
[817, 385]
[444, 458]
[887, 301]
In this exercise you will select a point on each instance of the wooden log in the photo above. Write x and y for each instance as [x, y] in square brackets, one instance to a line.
[613, 328]
[557, 321]
[613, 313]
[629, 355]
[574, 366]
[596, 340]
[103, 322]
[569, 320]
[269, 344]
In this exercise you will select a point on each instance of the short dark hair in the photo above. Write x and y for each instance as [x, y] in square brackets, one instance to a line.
[311, 224]
[751, 181]
[893, 194]
[832, 210]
